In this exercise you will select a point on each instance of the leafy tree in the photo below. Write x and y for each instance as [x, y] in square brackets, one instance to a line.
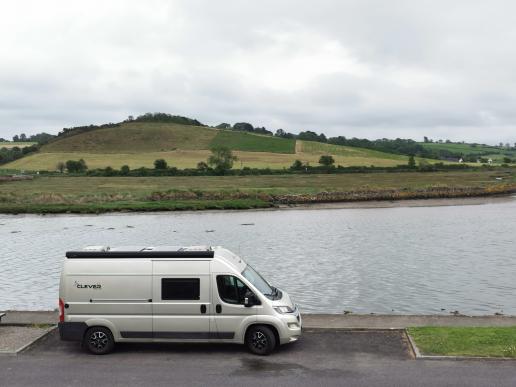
[262, 130]
[76, 166]
[507, 160]
[221, 159]
[243, 127]
[109, 171]
[224, 125]
[125, 170]
[297, 165]
[311, 136]
[160, 164]
[164, 117]
[16, 138]
[425, 139]
[411, 161]
[327, 160]
[202, 166]
[60, 166]
[281, 133]
[41, 138]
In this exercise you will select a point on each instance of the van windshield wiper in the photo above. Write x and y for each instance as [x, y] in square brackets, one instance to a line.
[275, 292]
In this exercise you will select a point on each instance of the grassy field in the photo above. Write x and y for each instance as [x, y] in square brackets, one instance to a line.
[97, 194]
[319, 148]
[12, 144]
[242, 141]
[135, 138]
[495, 153]
[187, 159]
[140, 144]
[470, 341]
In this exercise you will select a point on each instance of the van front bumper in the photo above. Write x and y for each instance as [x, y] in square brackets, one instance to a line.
[292, 326]
[72, 331]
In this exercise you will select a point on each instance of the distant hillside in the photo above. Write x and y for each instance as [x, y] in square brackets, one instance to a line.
[139, 144]
[472, 152]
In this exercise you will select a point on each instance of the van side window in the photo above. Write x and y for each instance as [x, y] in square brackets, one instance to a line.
[231, 289]
[180, 289]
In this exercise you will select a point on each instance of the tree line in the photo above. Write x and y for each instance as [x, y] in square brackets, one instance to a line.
[221, 161]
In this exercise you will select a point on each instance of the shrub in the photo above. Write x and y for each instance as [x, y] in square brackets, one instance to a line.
[160, 164]
[74, 166]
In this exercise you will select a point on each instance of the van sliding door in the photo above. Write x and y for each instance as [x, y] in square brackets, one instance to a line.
[181, 300]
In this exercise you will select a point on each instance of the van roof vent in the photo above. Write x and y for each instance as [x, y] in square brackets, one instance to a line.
[195, 248]
[96, 248]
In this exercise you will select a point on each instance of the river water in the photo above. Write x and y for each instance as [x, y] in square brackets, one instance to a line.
[413, 260]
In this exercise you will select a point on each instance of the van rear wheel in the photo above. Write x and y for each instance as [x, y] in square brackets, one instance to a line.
[98, 340]
[260, 340]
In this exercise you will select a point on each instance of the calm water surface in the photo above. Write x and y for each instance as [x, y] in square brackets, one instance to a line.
[381, 260]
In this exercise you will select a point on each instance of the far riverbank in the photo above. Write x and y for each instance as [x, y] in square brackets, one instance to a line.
[68, 194]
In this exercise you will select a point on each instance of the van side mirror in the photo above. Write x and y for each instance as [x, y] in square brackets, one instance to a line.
[249, 299]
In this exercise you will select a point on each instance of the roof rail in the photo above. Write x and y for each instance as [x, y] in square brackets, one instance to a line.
[140, 254]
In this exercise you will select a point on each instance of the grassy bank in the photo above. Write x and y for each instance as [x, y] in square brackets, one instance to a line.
[467, 341]
[53, 194]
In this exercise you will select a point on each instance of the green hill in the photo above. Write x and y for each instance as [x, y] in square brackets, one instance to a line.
[138, 144]
[471, 152]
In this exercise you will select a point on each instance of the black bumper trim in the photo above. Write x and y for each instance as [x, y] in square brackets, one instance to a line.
[178, 335]
[72, 331]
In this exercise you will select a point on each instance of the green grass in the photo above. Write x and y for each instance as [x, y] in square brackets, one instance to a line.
[133, 206]
[466, 341]
[248, 142]
[321, 148]
[99, 194]
[135, 137]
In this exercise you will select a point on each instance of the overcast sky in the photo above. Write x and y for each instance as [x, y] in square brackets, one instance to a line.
[386, 68]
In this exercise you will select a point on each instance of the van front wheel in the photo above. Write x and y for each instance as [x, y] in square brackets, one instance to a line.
[98, 340]
[260, 340]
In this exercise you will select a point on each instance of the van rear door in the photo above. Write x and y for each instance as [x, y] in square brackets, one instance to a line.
[181, 299]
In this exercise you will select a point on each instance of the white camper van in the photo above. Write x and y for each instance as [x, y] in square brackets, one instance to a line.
[171, 294]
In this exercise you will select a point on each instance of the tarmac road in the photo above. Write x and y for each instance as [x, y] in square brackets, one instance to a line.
[320, 358]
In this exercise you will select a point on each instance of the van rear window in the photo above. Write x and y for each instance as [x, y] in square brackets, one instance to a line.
[180, 289]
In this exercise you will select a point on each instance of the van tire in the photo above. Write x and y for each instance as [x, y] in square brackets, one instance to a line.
[98, 340]
[260, 340]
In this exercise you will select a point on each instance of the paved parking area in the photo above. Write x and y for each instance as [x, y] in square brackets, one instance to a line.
[15, 338]
[320, 358]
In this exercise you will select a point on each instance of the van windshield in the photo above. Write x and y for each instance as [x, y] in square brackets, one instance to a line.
[259, 282]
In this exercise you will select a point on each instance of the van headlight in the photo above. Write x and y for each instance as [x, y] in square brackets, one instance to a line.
[283, 309]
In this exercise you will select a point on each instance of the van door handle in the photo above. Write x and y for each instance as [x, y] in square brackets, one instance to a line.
[203, 308]
[218, 308]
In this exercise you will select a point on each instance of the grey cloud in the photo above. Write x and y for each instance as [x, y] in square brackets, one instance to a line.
[357, 68]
